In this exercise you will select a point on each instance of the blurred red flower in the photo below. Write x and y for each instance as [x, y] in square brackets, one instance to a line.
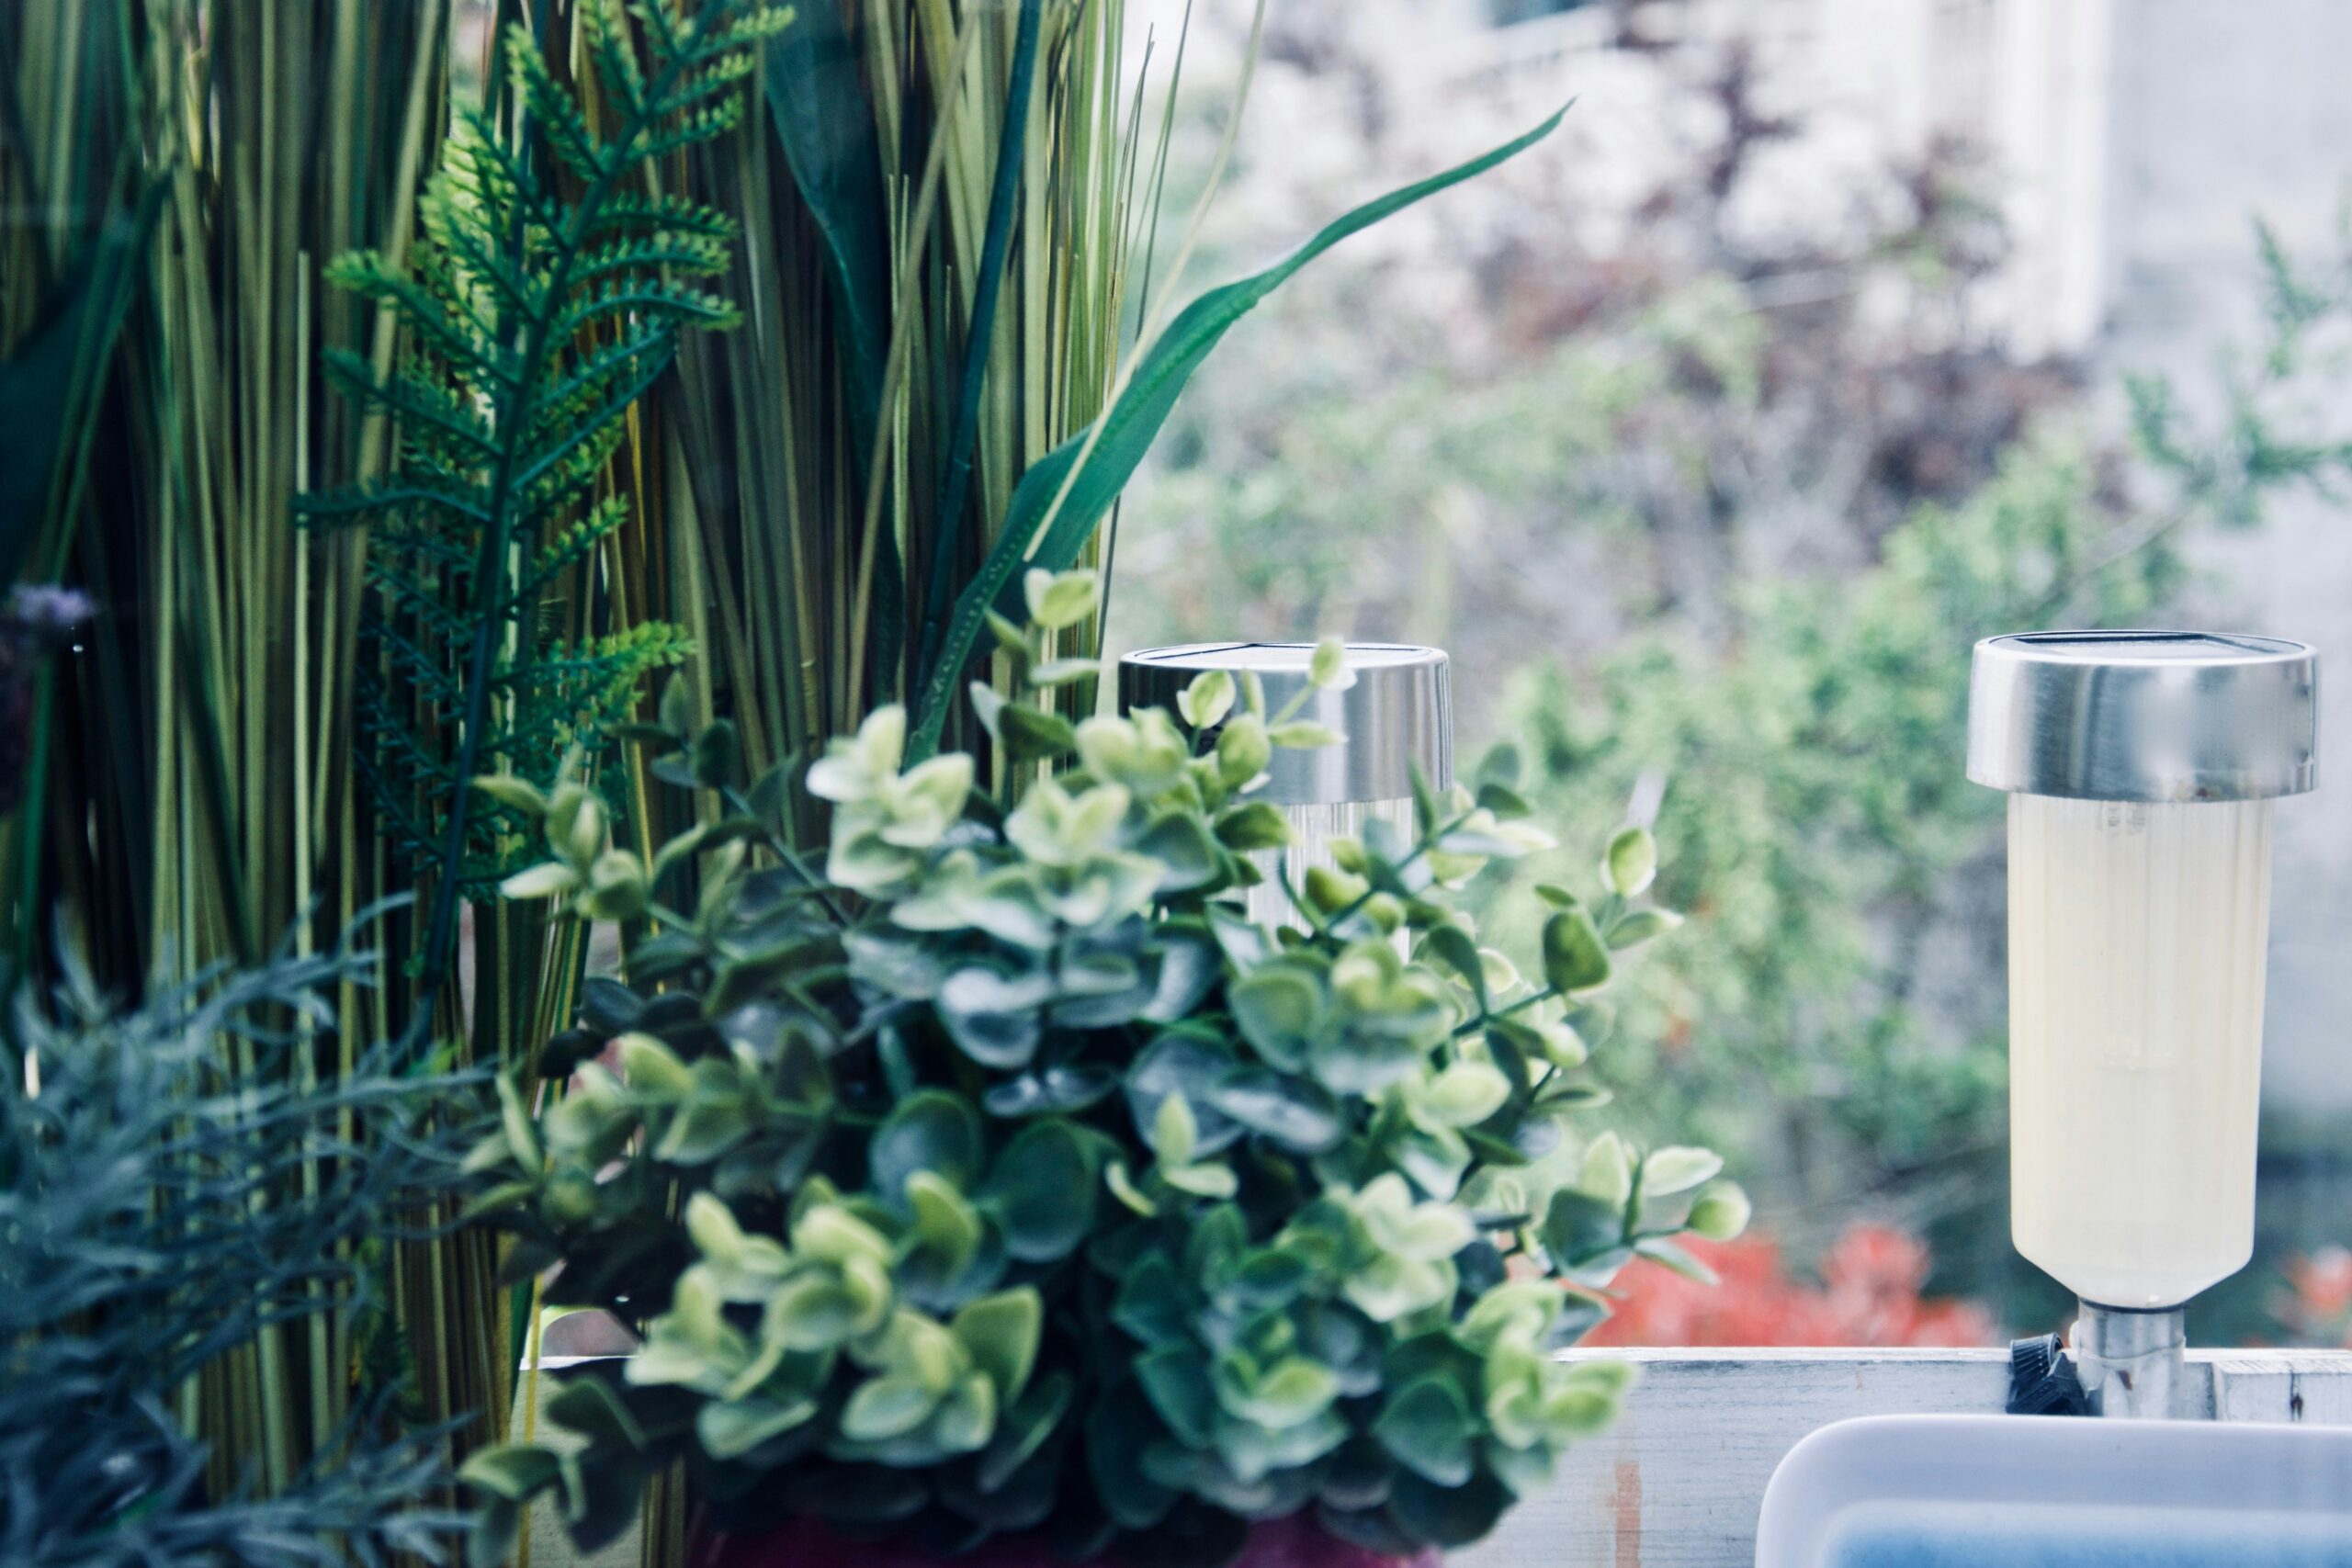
[1869, 1294]
[2317, 1309]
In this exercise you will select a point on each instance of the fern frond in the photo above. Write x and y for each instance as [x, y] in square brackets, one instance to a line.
[426, 603]
[696, 253]
[661, 37]
[535, 320]
[631, 213]
[650, 646]
[587, 418]
[715, 82]
[482, 161]
[572, 473]
[720, 33]
[379, 500]
[453, 560]
[418, 664]
[558, 115]
[413, 399]
[686, 306]
[397, 748]
[579, 693]
[458, 338]
[464, 225]
[585, 382]
[693, 126]
[572, 546]
[606, 33]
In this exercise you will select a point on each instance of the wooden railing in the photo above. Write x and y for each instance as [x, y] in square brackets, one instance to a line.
[1677, 1482]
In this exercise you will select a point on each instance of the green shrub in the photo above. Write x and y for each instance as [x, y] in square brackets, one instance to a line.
[1003, 1176]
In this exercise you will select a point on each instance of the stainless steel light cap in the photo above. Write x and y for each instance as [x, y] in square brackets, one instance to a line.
[2152, 715]
[1398, 713]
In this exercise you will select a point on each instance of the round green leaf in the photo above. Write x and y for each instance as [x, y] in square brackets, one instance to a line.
[1205, 702]
[1678, 1170]
[1449, 1517]
[1059, 599]
[1254, 825]
[1630, 864]
[1242, 752]
[1052, 1090]
[1176, 1380]
[737, 1427]
[1328, 666]
[1427, 1427]
[1186, 1065]
[1042, 1190]
[931, 1130]
[1574, 958]
[1462, 1095]
[947, 1230]
[1031, 734]
[1279, 1009]
[1721, 1212]
[1639, 926]
[1660, 1250]
[1300, 1115]
[1180, 841]
[1000, 1334]
[1292, 1392]
[1579, 1225]
[887, 1408]
[992, 1017]
[514, 1472]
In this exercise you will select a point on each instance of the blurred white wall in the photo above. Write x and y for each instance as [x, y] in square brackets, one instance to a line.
[2134, 142]
[2219, 113]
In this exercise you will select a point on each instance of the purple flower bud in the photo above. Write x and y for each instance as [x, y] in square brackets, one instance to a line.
[47, 609]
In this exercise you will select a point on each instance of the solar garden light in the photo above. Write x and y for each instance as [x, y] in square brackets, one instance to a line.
[2140, 768]
[1397, 713]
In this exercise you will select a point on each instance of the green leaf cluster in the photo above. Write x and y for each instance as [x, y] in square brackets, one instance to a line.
[1000, 1176]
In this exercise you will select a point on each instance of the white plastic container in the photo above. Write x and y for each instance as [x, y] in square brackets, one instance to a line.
[2043, 1492]
[2137, 938]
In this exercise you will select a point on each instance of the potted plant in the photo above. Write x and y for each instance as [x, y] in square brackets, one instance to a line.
[1001, 1185]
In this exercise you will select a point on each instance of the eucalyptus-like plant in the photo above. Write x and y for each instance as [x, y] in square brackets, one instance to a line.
[1003, 1176]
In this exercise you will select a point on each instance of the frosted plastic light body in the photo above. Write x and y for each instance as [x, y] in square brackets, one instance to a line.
[2137, 938]
[1315, 826]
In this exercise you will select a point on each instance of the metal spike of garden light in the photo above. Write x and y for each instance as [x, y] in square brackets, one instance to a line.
[2142, 767]
[1398, 714]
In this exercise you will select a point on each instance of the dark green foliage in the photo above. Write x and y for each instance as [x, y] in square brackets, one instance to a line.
[162, 1209]
[539, 303]
[1045, 1187]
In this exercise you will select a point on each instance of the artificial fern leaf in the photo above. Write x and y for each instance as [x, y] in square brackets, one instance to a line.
[537, 309]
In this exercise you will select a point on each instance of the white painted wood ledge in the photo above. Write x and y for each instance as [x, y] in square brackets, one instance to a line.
[1677, 1482]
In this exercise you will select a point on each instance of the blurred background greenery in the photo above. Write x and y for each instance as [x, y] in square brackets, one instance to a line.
[1707, 445]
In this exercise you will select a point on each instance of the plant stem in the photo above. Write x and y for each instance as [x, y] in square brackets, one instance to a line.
[1484, 1018]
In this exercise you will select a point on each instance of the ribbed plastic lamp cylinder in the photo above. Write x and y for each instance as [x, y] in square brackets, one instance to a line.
[2141, 769]
[1397, 715]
